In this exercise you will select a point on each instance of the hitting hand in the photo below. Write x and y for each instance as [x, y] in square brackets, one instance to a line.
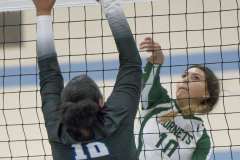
[149, 45]
[44, 7]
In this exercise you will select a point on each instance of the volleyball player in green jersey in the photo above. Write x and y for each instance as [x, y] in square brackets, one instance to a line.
[79, 125]
[170, 129]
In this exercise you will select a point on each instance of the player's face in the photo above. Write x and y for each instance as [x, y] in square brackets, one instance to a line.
[192, 86]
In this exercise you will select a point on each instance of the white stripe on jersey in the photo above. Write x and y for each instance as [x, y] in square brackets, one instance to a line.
[148, 87]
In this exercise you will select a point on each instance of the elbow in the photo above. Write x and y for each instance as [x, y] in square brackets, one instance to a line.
[135, 62]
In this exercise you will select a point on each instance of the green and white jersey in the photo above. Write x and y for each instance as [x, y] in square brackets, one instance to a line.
[184, 138]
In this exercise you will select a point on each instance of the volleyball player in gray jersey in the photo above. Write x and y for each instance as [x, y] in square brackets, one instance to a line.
[79, 124]
[170, 129]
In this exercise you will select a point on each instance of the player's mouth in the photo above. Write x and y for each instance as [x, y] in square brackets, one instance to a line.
[183, 88]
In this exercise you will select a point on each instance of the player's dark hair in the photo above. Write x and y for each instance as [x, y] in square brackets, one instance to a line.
[79, 88]
[212, 87]
[80, 107]
[78, 117]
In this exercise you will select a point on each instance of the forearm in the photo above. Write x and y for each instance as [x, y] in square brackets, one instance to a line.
[47, 59]
[51, 81]
[45, 41]
[151, 72]
[150, 79]
[152, 91]
[122, 33]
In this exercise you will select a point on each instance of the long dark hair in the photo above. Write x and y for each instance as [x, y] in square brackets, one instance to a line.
[80, 107]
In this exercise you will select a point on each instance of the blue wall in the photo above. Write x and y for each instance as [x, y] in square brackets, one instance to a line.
[216, 61]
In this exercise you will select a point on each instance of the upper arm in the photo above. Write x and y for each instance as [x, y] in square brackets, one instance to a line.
[203, 147]
[51, 85]
[122, 104]
[152, 91]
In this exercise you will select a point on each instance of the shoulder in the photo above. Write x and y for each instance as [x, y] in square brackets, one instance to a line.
[159, 109]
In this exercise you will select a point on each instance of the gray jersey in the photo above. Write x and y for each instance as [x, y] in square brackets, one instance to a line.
[113, 138]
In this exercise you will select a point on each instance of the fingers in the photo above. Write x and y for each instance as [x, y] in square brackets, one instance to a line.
[146, 40]
[149, 45]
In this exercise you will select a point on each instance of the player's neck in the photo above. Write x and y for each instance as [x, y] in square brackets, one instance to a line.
[188, 107]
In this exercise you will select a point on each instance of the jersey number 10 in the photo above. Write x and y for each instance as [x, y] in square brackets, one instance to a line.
[94, 150]
[171, 146]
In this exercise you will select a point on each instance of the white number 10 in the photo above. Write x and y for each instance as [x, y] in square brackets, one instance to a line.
[95, 149]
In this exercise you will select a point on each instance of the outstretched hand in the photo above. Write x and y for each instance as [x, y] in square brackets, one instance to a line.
[44, 7]
[149, 45]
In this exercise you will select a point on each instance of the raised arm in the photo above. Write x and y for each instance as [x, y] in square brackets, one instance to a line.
[126, 92]
[152, 91]
[51, 81]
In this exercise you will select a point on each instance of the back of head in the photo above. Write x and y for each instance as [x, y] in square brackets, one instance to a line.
[80, 107]
[79, 118]
[79, 88]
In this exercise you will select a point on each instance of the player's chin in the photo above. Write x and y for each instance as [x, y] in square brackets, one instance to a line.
[182, 94]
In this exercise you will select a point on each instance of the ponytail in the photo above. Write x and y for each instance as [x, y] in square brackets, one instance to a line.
[79, 116]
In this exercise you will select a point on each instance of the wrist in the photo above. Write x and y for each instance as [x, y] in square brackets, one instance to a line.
[43, 20]
[44, 13]
[154, 60]
[149, 59]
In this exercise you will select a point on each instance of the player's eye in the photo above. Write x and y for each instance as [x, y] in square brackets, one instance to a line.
[184, 75]
[195, 78]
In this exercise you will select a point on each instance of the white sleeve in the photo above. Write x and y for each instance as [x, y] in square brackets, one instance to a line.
[116, 18]
[45, 40]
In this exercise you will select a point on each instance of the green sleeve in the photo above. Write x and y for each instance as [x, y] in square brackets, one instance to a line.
[203, 148]
[152, 91]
